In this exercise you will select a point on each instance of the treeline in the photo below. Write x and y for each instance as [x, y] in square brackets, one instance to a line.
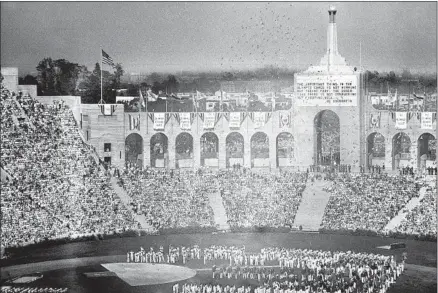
[404, 83]
[62, 77]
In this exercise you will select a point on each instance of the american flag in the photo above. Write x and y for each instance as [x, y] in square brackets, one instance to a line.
[107, 59]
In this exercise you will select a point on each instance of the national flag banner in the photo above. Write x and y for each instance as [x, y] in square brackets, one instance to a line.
[218, 117]
[375, 120]
[284, 119]
[151, 96]
[234, 120]
[184, 121]
[106, 59]
[159, 121]
[259, 119]
[401, 120]
[168, 117]
[134, 122]
[107, 109]
[143, 104]
[426, 120]
[209, 120]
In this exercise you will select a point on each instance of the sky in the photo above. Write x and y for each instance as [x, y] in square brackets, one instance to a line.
[218, 36]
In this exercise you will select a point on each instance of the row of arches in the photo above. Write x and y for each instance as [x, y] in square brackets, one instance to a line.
[401, 149]
[209, 148]
[327, 147]
[259, 148]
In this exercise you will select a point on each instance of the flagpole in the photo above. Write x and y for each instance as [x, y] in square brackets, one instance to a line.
[101, 78]
[147, 116]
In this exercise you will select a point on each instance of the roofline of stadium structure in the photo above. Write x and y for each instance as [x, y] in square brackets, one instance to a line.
[332, 62]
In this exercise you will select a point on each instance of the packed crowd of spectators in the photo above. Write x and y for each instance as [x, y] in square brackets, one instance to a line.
[168, 199]
[422, 219]
[253, 199]
[56, 189]
[366, 201]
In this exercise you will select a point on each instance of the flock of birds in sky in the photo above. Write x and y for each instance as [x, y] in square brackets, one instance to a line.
[273, 40]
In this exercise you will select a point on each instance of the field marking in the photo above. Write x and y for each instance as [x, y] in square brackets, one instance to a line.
[141, 274]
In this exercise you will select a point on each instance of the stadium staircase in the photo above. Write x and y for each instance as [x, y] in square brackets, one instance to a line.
[23, 114]
[4, 175]
[398, 219]
[126, 200]
[220, 214]
[311, 210]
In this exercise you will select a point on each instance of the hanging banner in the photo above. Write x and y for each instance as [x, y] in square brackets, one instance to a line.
[426, 120]
[375, 120]
[234, 120]
[107, 109]
[209, 120]
[284, 119]
[134, 122]
[184, 121]
[400, 120]
[259, 119]
[159, 119]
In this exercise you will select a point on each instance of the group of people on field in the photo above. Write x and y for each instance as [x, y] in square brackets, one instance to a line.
[282, 270]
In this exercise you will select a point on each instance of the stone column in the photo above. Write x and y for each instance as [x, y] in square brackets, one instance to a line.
[272, 150]
[171, 152]
[388, 154]
[222, 151]
[196, 150]
[247, 150]
[146, 150]
[414, 154]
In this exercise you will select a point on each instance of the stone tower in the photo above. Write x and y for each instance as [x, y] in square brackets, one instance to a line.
[334, 86]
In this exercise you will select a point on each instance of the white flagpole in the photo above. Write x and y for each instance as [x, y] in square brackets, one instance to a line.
[101, 78]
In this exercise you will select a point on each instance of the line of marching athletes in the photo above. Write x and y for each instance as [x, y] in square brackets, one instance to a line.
[175, 255]
[182, 254]
[309, 271]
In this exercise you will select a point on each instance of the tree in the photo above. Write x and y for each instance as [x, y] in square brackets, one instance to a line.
[228, 76]
[157, 87]
[92, 87]
[154, 77]
[171, 85]
[392, 78]
[57, 77]
[66, 77]
[46, 76]
[28, 79]
[111, 81]
[118, 75]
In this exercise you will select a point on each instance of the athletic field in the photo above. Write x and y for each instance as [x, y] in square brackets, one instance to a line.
[66, 265]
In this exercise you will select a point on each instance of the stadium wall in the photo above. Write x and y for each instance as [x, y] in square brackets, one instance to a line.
[115, 129]
[10, 78]
[28, 89]
[99, 129]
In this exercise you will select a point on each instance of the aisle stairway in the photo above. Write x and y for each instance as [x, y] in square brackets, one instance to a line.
[220, 214]
[313, 203]
[396, 221]
[126, 200]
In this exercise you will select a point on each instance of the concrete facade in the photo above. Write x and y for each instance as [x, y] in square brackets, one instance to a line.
[10, 78]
